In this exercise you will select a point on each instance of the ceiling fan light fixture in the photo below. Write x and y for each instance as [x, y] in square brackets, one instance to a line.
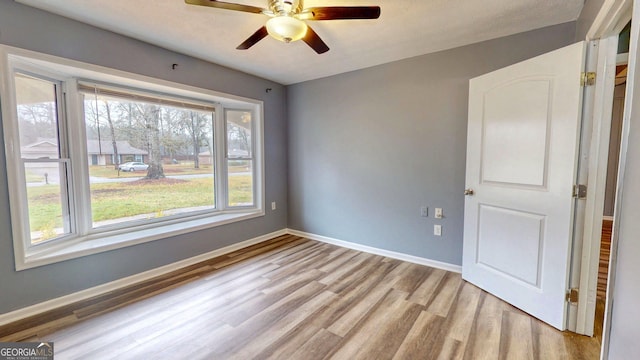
[286, 28]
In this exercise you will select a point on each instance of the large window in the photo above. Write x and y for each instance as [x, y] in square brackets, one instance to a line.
[101, 160]
[151, 157]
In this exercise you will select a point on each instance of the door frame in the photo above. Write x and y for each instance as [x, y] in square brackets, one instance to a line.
[612, 17]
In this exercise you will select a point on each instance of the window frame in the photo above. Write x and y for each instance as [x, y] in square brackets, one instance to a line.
[225, 161]
[63, 157]
[127, 225]
[85, 239]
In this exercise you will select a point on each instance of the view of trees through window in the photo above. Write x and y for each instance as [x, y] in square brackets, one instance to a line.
[148, 157]
[239, 157]
[44, 165]
[148, 160]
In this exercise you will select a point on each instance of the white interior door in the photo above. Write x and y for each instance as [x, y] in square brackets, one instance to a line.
[522, 147]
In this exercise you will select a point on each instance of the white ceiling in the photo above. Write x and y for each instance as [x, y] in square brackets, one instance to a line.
[406, 28]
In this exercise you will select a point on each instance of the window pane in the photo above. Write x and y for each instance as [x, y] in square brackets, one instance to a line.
[240, 182]
[147, 161]
[46, 200]
[239, 154]
[45, 181]
[238, 134]
[37, 118]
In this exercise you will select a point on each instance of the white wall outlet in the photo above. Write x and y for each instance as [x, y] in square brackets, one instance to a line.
[424, 211]
[437, 230]
[273, 205]
[438, 213]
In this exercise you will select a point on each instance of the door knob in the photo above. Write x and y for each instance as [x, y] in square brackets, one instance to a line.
[468, 192]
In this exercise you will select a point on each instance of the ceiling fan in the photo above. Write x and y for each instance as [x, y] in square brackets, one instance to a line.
[287, 19]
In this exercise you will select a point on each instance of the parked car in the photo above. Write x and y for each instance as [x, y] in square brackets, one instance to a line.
[133, 166]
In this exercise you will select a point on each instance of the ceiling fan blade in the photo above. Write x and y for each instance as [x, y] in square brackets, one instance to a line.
[253, 39]
[341, 13]
[313, 40]
[226, 5]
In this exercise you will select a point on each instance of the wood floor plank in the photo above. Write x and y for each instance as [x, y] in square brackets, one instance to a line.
[289, 320]
[357, 303]
[445, 294]
[548, 343]
[42, 328]
[427, 289]
[293, 257]
[484, 340]
[358, 274]
[247, 253]
[412, 278]
[418, 344]
[289, 343]
[342, 271]
[258, 303]
[516, 339]
[463, 316]
[382, 332]
[605, 255]
[452, 349]
[242, 336]
[451, 339]
[354, 303]
[318, 347]
[293, 298]
[343, 258]
[579, 346]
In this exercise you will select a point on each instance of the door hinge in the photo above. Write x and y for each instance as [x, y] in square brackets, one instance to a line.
[587, 78]
[580, 191]
[572, 295]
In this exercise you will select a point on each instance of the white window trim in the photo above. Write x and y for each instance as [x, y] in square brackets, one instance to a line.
[224, 158]
[87, 243]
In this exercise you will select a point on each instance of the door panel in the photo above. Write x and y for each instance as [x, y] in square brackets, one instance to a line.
[516, 154]
[521, 163]
[498, 226]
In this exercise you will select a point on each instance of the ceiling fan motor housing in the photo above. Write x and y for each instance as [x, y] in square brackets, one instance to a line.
[286, 7]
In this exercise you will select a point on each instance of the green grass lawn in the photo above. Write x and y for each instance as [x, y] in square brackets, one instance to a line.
[119, 200]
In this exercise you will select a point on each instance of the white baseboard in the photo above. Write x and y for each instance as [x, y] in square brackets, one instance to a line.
[133, 279]
[381, 252]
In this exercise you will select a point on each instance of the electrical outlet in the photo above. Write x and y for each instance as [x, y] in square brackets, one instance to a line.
[438, 213]
[424, 211]
[273, 205]
[437, 230]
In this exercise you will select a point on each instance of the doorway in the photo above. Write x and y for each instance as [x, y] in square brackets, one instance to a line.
[615, 137]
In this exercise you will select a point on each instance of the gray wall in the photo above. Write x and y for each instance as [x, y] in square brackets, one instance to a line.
[369, 147]
[32, 29]
[587, 15]
[614, 150]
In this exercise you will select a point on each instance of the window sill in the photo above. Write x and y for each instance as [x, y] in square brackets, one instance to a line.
[84, 246]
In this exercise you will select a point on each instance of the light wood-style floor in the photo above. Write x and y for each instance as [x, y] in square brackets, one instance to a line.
[293, 298]
[605, 254]
[603, 276]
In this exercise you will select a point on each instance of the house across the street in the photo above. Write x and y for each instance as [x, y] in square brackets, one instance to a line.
[101, 152]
